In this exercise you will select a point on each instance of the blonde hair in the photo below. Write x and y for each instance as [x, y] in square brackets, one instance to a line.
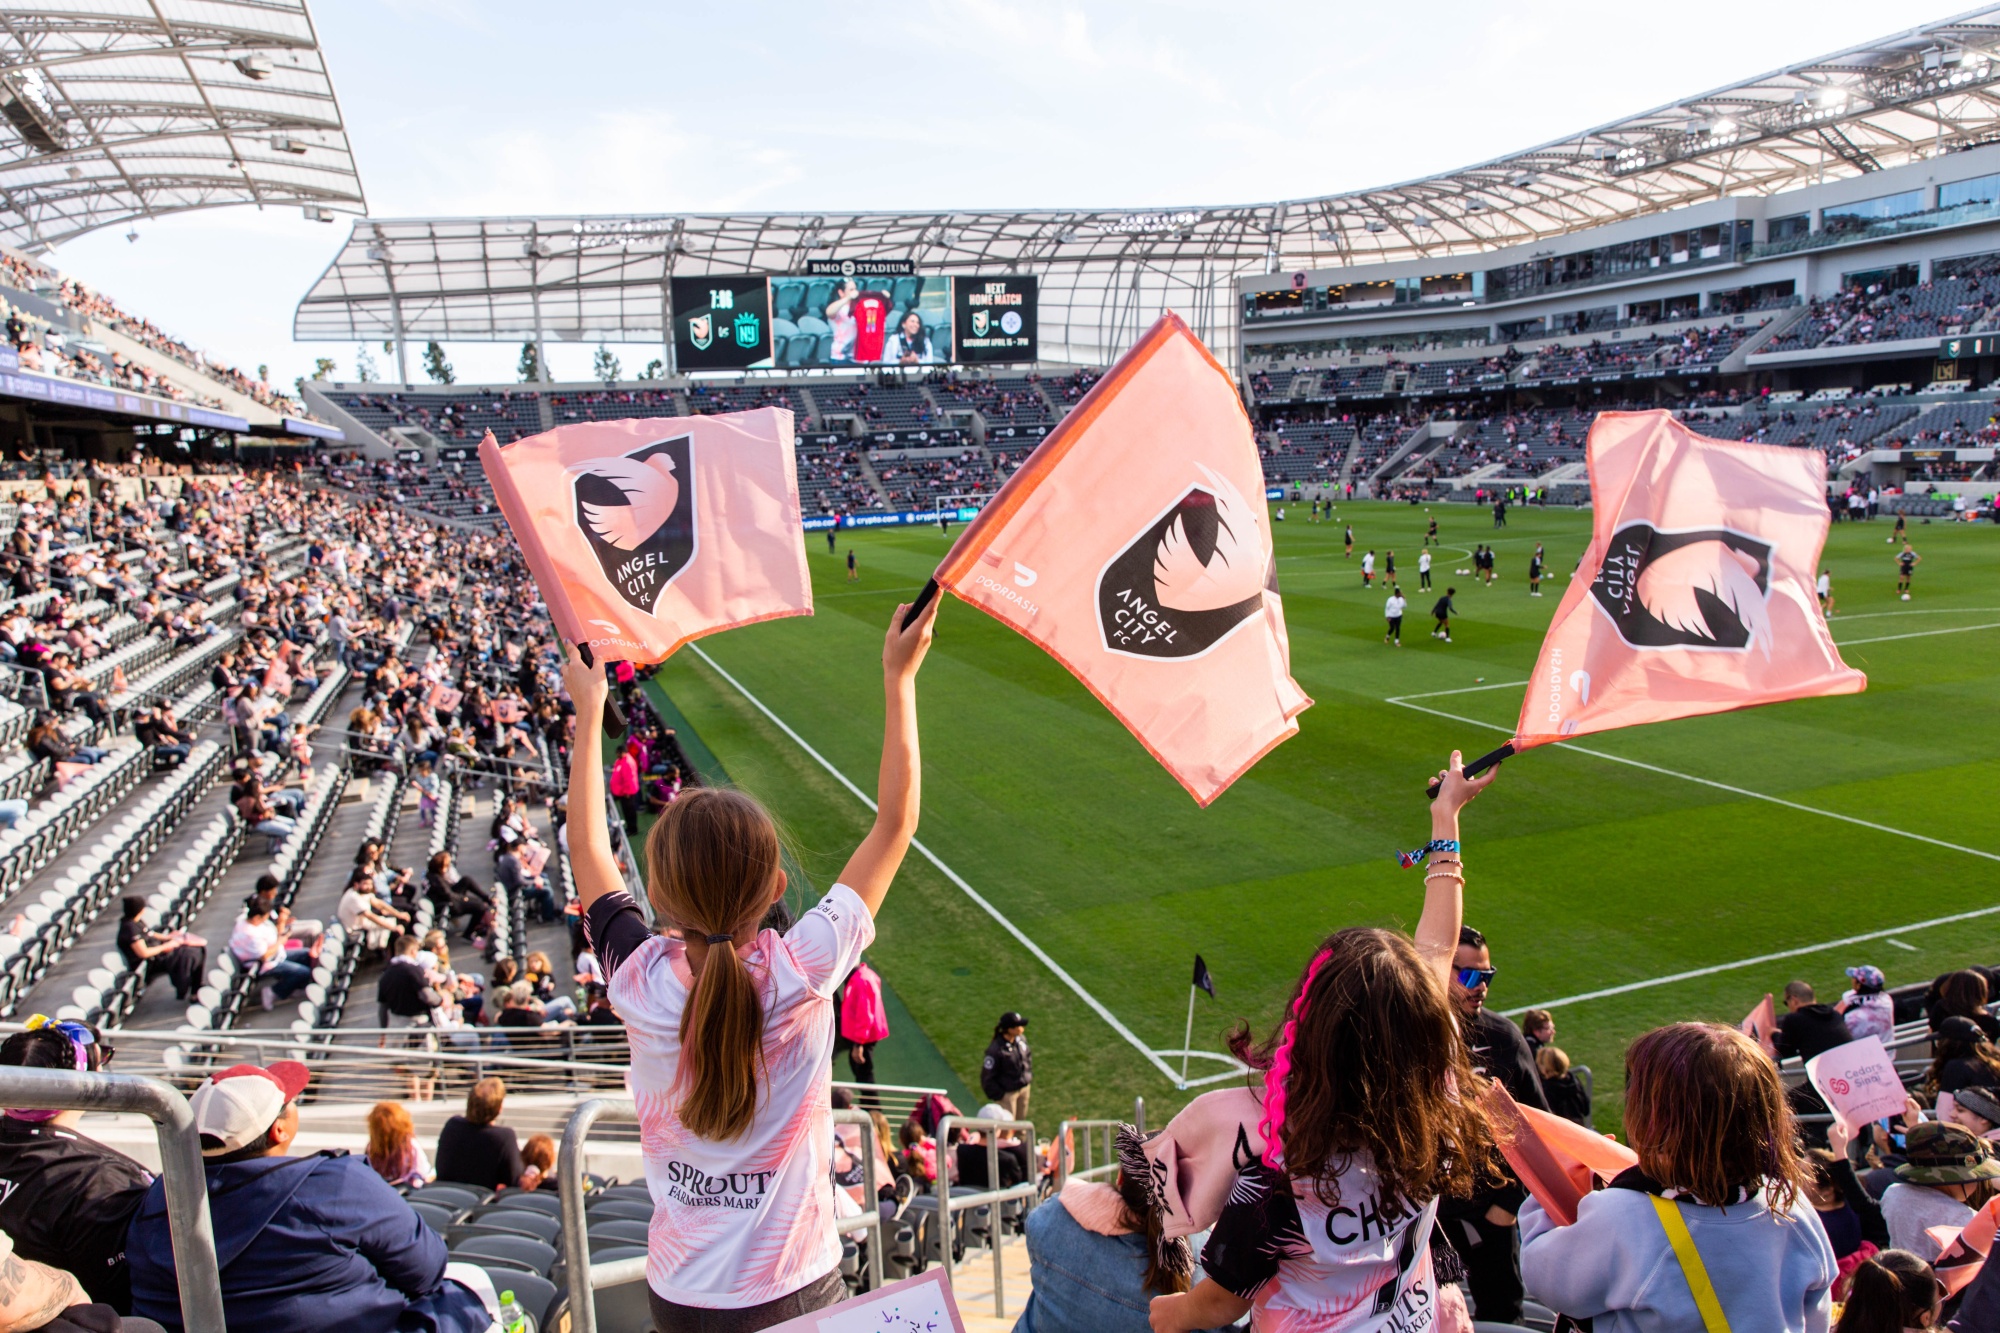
[712, 860]
[1551, 1062]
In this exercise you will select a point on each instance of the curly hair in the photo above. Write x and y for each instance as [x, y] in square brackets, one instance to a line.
[1371, 1061]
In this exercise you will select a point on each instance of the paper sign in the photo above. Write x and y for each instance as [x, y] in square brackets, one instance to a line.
[507, 712]
[1762, 1025]
[1557, 1160]
[444, 698]
[920, 1304]
[1858, 1082]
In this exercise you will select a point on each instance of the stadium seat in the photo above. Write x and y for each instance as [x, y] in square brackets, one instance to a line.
[534, 1255]
[527, 1201]
[630, 1210]
[463, 1197]
[437, 1216]
[612, 1231]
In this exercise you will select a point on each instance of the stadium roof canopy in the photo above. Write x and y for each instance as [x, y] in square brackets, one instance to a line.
[116, 110]
[1106, 273]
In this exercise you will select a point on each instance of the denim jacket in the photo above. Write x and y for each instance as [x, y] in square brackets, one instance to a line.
[1082, 1282]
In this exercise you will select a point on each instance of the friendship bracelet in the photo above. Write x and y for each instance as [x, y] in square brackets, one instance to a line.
[1416, 858]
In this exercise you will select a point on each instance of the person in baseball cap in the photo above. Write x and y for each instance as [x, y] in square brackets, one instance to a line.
[249, 1111]
[313, 1244]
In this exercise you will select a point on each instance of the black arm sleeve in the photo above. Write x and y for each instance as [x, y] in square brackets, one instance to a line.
[615, 930]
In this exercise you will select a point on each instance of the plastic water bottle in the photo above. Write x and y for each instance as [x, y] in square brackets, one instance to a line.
[513, 1319]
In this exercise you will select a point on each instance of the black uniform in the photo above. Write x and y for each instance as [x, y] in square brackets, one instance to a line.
[1008, 1067]
[67, 1200]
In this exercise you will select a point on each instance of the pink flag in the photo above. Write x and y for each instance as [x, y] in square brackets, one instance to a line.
[1761, 1026]
[1696, 594]
[643, 535]
[1133, 546]
[1557, 1160]
[444, 698]
[507, 711]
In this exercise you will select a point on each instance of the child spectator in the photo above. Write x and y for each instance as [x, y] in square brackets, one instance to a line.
[730, 1065]
[392, 1146]
[539, 1156]
[1893, 1292]
[1867, 1008]
[1361, 1117]
[1717, 1200]
[1566, 1094]
[1098, 1253]
[1538, 1028]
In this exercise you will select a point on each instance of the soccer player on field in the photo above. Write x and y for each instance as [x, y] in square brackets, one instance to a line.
[1443, 611]
[1392, 610]
[1907, 561]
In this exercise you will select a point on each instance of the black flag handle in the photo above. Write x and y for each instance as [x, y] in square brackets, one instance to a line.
[614, 715]
[1479, 765]
[923, 600]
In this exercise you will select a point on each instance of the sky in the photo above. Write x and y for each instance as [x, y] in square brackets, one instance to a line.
[472, 107]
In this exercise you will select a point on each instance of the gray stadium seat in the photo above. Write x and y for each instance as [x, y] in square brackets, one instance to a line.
[534, 1255]
[613, 1230]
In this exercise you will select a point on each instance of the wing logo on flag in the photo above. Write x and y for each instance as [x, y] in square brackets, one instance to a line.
[1192, 577]
[1706, 588]
[637, 512]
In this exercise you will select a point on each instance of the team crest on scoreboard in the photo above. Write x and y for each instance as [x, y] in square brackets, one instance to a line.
[637, 512]
[701, 331]
[979, 323]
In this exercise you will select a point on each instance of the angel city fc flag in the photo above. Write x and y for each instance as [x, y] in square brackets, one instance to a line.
[1696, 594]
[1133, 546]
[645, 534]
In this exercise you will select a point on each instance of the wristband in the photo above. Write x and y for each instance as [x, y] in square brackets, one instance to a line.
[1416, 858]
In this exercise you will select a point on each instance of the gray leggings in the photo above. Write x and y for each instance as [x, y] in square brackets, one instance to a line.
[671, 1318]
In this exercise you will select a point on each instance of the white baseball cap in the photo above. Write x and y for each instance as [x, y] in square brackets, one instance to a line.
[236, 1107]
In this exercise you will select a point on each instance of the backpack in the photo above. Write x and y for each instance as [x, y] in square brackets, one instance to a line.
[862, 1017]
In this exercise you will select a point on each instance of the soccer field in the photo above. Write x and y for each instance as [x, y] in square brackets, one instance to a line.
[1683, 848]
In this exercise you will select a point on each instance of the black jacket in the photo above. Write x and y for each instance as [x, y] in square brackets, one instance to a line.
[401, 989]
[1810, 1031]
[1500, 1052]
[1008, 1067]
[67, 1201]
[487, 1156]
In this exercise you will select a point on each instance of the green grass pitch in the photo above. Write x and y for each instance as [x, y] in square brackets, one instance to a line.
[1585, 874]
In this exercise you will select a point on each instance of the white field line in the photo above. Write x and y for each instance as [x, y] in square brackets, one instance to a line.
[1914, 634]
[1910, 948]
[1693, 973]
[952, 875]
[1403, 701]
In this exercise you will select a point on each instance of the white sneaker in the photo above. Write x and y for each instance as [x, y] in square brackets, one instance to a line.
[268, 997]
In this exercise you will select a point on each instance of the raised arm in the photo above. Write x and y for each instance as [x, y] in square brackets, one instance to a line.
[899, 788]
[590, 857]
[1444, 874]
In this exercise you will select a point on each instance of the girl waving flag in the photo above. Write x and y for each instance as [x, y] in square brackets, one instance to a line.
[732, 1027]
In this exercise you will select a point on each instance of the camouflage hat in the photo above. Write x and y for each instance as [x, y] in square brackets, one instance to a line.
[1936, 1154]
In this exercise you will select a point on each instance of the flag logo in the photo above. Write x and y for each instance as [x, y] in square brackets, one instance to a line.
[1190, 579]
[701, 331]
[1703, 588]
[637, 512]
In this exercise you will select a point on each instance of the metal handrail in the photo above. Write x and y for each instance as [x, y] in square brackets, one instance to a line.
[182, 1170]
[989, 1198]
[1065, 1150]
[583, 1277]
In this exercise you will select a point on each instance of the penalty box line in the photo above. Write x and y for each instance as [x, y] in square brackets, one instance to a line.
[1040, 953]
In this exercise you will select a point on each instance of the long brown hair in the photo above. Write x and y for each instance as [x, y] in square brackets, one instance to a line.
[1374, 1063]
[1962, 992]
[712, 860]
[1707, 1114]
[1945, 1049]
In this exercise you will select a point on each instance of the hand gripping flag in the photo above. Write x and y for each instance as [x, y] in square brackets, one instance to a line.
[643, 535]
[1134, 548]
[1697, 592]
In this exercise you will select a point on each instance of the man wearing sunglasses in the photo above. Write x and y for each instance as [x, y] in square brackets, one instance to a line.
[1483, 1228]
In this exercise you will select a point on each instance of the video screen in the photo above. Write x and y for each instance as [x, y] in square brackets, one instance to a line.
[833, 320]
[860, 321]
[995, 318]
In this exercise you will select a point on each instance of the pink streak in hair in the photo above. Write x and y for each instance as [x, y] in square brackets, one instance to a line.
[1281, 1068]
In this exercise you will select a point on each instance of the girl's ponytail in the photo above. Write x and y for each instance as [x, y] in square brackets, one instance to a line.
[722, 1045]
[712, 861]
[1169, 1260]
